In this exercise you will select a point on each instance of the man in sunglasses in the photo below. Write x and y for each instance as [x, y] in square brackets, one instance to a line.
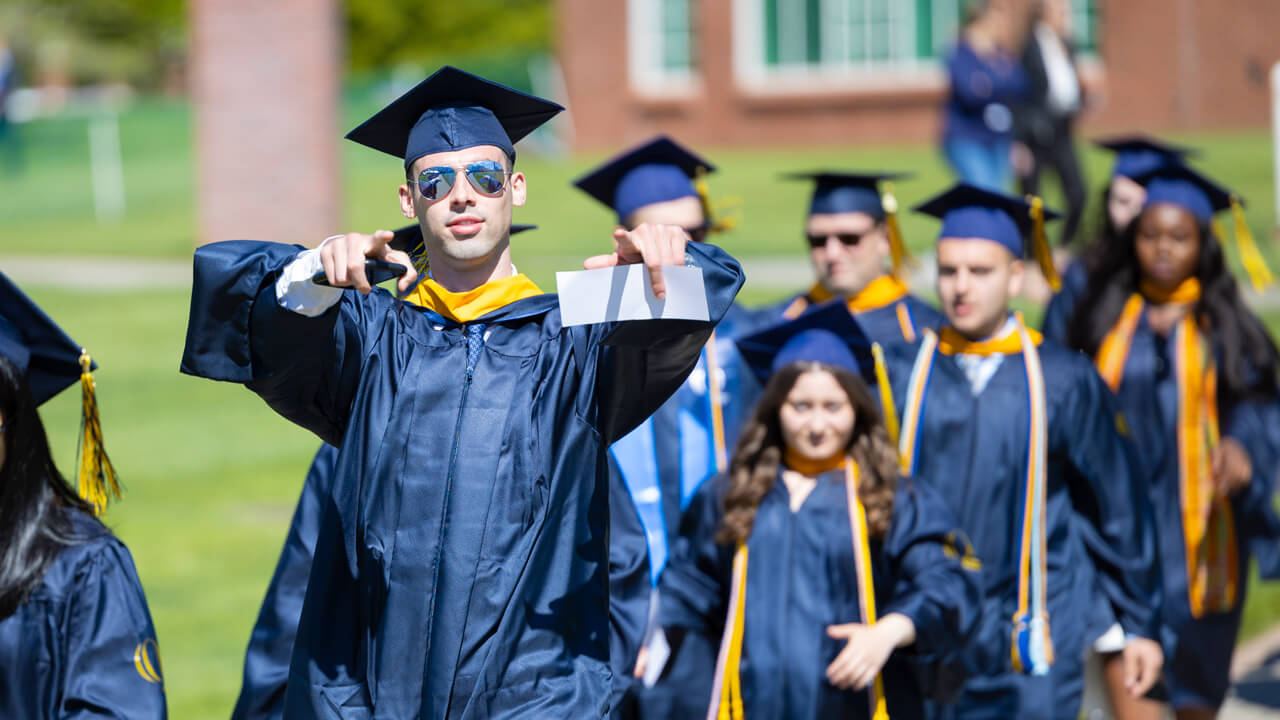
[664, 460]
[857, 253]
[461, 568]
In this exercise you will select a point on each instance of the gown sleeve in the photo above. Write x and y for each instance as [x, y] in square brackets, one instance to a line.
[112, 667]
[937, 581]
[629, 586]
[305, 368]
[643, 362]
[1255, 423]
[266, 662]
[1117, 521]
[694, 587]
[1057, 315]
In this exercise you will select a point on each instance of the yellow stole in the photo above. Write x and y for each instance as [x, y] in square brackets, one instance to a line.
[1208, 524]
[881, 292]
[726, 692]
[466, 306]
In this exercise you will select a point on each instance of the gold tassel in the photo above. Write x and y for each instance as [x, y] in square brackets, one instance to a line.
[97, 477]
[1040, 244]
[715, 223]
[897, 247]
[886, 394]
[1250, 256]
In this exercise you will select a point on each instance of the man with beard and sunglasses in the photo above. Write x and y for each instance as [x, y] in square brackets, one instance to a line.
[857, 253]
[461, 567]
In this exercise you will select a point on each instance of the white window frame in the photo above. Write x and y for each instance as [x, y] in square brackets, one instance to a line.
[646, 70]
[753, 74]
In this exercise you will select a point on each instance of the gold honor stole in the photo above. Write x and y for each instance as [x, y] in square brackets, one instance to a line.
[1032, 647]
[1208, 524]
[726, 691]
[880, 292]
[466, 306]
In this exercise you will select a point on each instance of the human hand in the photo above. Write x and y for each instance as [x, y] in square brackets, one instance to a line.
[653, 245]
[1142, 659]
[1232, 468]
[867, 649]
[343, 257]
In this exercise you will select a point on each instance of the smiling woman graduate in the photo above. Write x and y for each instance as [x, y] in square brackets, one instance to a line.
[76, 638]
[840, 589]
[461, 569]
[1195, 373]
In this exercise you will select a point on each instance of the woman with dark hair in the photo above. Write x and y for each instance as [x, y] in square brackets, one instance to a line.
[843, 592]
[76, 638]
[1195, 374]
[1121, 200]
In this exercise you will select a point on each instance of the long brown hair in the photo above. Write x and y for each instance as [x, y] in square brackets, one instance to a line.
[758, 457]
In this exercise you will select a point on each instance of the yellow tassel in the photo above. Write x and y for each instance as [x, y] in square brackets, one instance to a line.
[1254, 264]
[1040, 244]
[715, 223]
[886, 394]
[97, 477]
[897, 247]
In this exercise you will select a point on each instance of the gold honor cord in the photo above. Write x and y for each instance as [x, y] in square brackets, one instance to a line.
[886, 394]
[726, 691]
[866, 583]
[97, 478]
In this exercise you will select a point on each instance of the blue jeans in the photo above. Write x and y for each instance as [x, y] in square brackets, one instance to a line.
[985, 164]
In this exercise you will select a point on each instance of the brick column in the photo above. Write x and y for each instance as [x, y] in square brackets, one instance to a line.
[264, 82]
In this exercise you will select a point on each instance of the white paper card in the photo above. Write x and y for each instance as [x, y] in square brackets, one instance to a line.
[625, 293]
[659, 653]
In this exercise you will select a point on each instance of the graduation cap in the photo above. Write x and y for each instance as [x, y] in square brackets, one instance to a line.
[867, 192]
[968, 211]
[408, 239]
[1203, 198]
[1138, 155]
[828, 334]
[453, 110]
[51, 362]
[657, 171]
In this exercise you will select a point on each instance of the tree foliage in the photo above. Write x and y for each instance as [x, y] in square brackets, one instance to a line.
[381, 33]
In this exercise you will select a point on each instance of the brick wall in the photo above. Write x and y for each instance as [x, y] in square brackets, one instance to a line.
[264, 79]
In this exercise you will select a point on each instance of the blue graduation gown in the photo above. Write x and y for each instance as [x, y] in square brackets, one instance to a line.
[973, 450]
[82, 645]
[266, 663]
[1197, 668]
[461, 564]
[801, 578]
[881, 324]
[1056, 321]
[976, 84]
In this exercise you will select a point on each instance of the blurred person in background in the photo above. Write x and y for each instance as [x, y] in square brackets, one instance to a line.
[858, 253]
[1194, 371]
[10, 149]
[840, 587]
[986, 82]
[1044, 121]
[76, 638]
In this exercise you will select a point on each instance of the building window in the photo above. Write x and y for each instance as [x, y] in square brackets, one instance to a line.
[662, 37]
[862, 43]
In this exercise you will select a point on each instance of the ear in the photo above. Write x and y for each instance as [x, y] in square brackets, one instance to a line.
[1016, 273]
[406, 202]
[517, 189]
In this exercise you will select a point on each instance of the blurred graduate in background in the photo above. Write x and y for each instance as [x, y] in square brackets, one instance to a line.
[1194, 370]
[76, 638]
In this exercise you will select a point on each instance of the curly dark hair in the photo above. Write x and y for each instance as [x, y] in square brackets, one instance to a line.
[758, 457]
[1248, 354]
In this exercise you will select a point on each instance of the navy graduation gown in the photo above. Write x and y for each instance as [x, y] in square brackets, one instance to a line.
[266, 663]
[82, 645]
[461, 565]
[801, 578]
[1198, 666]
[973, 450]
[1056, 321]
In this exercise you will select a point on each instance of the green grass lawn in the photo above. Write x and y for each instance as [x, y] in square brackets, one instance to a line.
[212, 475]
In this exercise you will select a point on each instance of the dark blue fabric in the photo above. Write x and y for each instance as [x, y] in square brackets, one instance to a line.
[74, 649]
[35, 344]
[1056, 321]
[801, 578]
[461, 566]
[881, 324]
[968, 211]
[824, 333]
[1138, 155]
[982, 91]
[266, 665]
[973, 450]
[658, 170]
